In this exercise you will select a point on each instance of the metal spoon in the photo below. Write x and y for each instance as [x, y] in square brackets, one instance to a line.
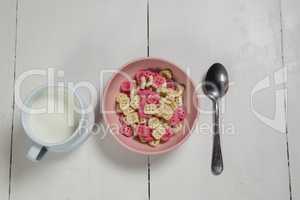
[215, 87]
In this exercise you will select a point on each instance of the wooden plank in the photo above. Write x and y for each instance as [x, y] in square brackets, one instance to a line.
[82, 38]
[7, 47]
[245, 37]
[291, 41]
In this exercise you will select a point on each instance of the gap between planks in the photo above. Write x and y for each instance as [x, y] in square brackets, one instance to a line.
[285, 97]
[13, 103]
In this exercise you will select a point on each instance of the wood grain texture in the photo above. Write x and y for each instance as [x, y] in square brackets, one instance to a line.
[291, 41]
[7, 54]
[82, 38]
[245, 37]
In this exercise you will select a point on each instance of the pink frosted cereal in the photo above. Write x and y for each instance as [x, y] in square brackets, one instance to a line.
[158, 80]
[148, 73]
[171, 85]
[145, 92]
[141, 107]
[180, 113]
[153, 99]
[125, 86]
[174, 120]
[126, 131]
[144, 133]
[144, 73]
[177, 117]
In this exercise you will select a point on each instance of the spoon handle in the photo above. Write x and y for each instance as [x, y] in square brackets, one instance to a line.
[217, 160]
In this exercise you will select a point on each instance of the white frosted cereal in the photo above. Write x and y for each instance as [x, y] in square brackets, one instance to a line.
[165, 111]
[153, 122]
[179, 90]
[123, 100]
[158, 132]
[149, 81]
[118, 109]
[167, 73]
[135, 101]
[121, 97]
[124, 105]
[132, 118]
[143, 82]
[163, 91]
[133, 90]
[179, 101]
[177, 128]
[127, 110]
[150, 109]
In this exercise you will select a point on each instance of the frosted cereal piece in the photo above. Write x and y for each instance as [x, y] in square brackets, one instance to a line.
[132, 118]
[126, 131]
[135, 101]
[179, 90]
[171, 94]
[174, 120]
[153, 99]
[170, 99]
[145, 73]
[167, 135]
[167, 73]
[177, 128]
[121, 97]
[124, 105]
[138, 75]
[165, 111]
[165, 125]
[144, 133]
[173, 105]
[154, 143]
[148, 73]
[166, 116]
[141, 107]
[143, 120]
[163, 91]
[118, 109]
[149, 81]
[123, 101]
[158, 132]
[133, 90]
[125, 86]
[164, 100]
[179, 101]
[128, 110]
[143, 129]
[180, 113]
[145, 92]
[150, 109]
[171, 85]
[158, 81]
[143, 82]
[153, 122]
[146, 138]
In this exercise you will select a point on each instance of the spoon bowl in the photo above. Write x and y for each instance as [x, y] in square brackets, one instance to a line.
[216, 82]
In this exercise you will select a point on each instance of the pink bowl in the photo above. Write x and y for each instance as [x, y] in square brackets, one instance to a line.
[112, 120]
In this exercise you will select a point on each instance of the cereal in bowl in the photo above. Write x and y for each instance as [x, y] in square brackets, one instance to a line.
[150, 107]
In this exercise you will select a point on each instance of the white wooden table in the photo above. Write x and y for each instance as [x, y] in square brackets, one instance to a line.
[257, 40]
